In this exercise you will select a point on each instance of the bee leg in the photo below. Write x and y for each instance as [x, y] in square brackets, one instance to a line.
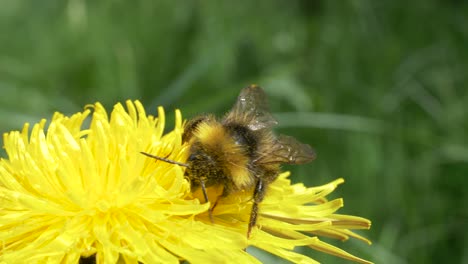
[258, 195]
[210, 211]
[224, 194]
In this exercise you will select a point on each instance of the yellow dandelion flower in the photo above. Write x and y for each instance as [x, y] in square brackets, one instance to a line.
[76, 188]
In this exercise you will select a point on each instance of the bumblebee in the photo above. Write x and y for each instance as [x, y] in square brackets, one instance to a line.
[240, 152]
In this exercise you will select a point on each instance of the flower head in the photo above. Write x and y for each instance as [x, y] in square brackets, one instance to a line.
[74, 189]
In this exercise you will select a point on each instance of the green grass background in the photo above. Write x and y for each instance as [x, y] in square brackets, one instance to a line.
[379, 88]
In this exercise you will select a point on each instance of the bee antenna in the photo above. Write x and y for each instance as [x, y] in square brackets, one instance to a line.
[164, 159]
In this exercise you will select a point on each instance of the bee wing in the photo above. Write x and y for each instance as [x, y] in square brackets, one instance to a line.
[290, 151]
[252, 107]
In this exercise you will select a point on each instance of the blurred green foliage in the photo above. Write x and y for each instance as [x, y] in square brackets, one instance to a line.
[379, 88]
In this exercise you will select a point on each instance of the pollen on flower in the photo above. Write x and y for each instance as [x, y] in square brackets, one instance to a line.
[77, 186]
